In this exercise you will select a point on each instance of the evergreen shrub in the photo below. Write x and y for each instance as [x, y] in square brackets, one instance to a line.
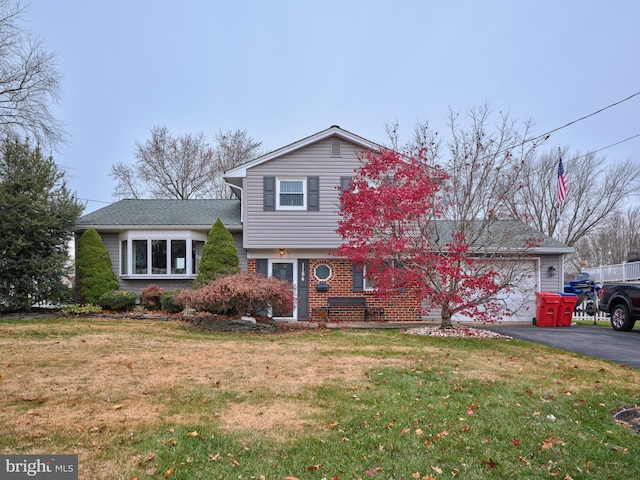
[95, 272]
[219, 256]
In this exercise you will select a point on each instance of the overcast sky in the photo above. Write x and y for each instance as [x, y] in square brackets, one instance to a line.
[284, 70]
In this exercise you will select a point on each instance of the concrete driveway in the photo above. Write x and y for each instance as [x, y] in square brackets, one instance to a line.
[599, 342]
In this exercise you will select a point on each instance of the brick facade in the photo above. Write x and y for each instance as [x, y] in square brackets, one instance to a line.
[401, 308]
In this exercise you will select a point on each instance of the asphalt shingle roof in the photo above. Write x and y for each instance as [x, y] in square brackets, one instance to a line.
[164, 212]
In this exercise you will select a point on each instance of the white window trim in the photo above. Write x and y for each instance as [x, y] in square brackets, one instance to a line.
[150, 235]
[366, 286]
[304, 194]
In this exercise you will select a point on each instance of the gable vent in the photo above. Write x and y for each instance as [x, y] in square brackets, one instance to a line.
[335, 149]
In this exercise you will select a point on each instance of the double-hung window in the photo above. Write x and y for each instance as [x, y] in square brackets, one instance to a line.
[291, 194]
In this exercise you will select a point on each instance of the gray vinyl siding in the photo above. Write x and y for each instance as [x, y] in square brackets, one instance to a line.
[299, 228]
[111, 242]
[547, 283]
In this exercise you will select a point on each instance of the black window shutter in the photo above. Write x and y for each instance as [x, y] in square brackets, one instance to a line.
[313, 194]
[262, 267]
[269, 194]
[357, 278]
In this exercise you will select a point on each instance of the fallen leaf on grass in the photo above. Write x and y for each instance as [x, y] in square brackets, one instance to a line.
[215, 457]
[438, 436]
[619, 449]
[192, 434]
[490, 464]
[550, 442]
[311, 468]
[168, 473]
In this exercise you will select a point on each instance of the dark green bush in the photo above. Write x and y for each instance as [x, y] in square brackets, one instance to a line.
[169, 303]
[219, 256]
[118, 301]
[95, 273]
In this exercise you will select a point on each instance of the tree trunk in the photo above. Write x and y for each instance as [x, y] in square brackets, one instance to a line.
[445, 315]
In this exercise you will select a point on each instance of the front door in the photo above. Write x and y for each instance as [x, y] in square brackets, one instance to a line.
[285, 270]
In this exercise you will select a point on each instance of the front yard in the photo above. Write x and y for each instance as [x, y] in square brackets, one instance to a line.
[143, 399]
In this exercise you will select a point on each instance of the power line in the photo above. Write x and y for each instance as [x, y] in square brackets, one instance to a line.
[608, 146]
[544, 135]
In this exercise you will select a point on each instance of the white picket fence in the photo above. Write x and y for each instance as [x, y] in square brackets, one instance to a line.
[598, 317]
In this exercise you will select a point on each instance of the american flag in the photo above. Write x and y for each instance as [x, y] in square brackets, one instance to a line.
[561, 194]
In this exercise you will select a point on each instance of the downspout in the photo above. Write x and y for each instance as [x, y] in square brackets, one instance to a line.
[233, 187]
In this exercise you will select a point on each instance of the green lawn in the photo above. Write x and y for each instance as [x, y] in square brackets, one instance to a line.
[142, 399]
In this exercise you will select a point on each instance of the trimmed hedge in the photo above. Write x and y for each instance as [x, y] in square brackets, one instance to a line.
[118, 301]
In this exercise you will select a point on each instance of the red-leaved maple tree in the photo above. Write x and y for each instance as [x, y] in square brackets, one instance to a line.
[397, 221]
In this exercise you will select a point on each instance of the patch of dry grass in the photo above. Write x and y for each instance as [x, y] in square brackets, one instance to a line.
[93, 381]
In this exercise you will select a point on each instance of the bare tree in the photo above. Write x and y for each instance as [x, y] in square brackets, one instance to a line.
[617, 241]
[483, 160]
[167, 167]
[233, 148]
[29, 81]
[181, 167]
[597, 190]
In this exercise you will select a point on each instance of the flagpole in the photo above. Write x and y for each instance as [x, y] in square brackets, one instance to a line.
[561, 193]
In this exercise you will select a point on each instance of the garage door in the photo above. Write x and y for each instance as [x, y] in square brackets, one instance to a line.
[519, 302]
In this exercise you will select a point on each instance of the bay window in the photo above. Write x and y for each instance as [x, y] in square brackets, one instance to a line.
[152, 254]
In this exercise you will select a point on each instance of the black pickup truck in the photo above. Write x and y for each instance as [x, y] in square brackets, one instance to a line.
[622, 302]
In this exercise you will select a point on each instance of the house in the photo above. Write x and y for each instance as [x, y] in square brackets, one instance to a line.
[283, 223]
